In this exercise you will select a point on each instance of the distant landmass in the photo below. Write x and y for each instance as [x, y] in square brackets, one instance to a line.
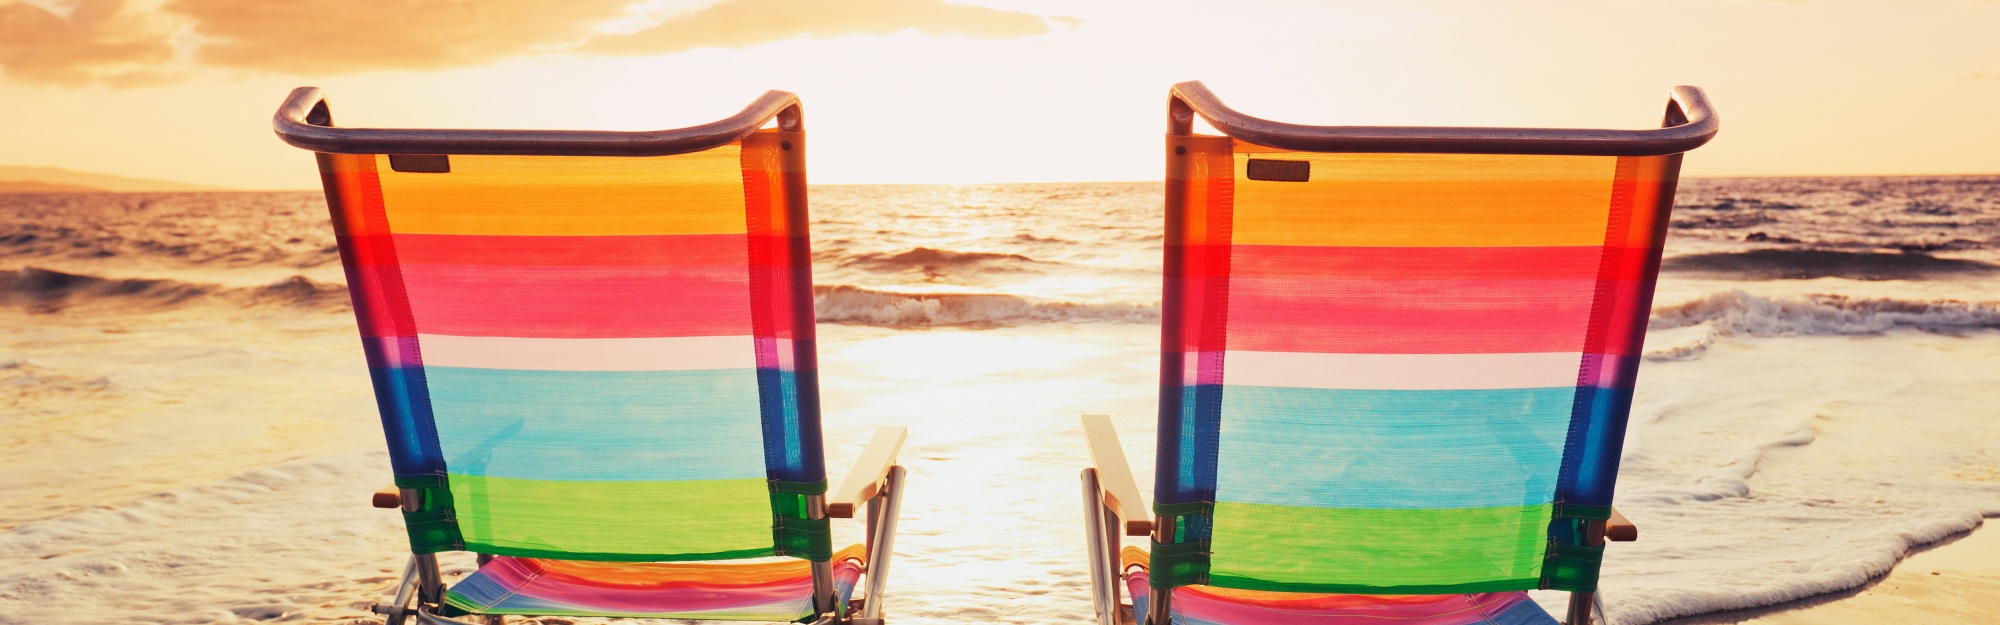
[14, 179]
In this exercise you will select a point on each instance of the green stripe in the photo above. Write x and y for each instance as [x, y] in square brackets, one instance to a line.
[432, 527]
[1572, 511]
[1573, 568]
[1378, 551]
[1178, 564]
[794, 530]
[615, 520]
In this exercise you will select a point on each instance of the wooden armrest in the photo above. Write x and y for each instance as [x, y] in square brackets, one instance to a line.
[1114, 476]
[389, 497]
[1620, 529]
[865, 480]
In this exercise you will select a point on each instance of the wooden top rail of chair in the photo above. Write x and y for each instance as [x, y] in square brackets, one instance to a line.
[305, 121]
[1690, 122]
[1114, 476]
[865, 480]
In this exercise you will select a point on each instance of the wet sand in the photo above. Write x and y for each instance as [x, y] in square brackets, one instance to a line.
[1947, 584]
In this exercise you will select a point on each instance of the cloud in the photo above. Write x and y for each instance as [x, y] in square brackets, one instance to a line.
[317, 36]
[738, 23]
[107, 41]
[98, 41]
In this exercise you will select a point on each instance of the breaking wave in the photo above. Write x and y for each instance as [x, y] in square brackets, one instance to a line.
[48, 291]
[1741, 313]
[941, 265]
[1783, 264]
[847, 304]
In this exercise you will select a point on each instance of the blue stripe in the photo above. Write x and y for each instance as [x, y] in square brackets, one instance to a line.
[791, 447]
[404, 403]
[1328, 448]
[599, 425]
[1590, 464]
[1187, 438]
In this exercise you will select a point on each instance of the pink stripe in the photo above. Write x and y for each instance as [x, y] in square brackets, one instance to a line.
[778, 286]
[1625, 317]
[389, 352]
[1384, 316]
[1330, 609]
[1192, 373]
[779, 352]
[579, 302]
[1251, 261]
[633, 596]
[1198, 312]
[377, 295]
[1609, 371]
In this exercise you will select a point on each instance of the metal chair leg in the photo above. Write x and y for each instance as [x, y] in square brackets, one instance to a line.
[1160, 606]
[882, 543]
[1586, 608]
[397, 612]
[1103, 578]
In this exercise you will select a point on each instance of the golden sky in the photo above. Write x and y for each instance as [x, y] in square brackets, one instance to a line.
[994, 90]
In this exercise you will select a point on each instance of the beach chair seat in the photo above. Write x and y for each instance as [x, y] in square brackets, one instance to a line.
[777, 590]
[1207, 605]
[593, 355]
[1395, 369]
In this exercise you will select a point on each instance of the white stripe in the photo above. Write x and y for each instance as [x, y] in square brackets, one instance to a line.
[1401, 371]
[637, 354]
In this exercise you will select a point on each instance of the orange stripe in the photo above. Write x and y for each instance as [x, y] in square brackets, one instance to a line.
[774, 171]
[352, 188]
[1653, 179]
[1198, 188]
[699, 193]
[1427, 200]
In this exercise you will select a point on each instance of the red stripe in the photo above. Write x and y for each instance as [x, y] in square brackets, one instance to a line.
[1475, 263]
[1191, 322]
[1200, 207]
[571, 251]
[1627, 275]
[1382, 316]
[354, 197]
[587, 302]
[559, 251]
[788, 290]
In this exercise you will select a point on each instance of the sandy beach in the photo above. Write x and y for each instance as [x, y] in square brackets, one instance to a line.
[191, 436]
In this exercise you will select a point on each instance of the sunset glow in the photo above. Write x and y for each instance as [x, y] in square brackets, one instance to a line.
[1020, 90]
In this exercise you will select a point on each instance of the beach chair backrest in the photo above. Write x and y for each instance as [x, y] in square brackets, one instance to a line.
[587, 354]
[1397, 367]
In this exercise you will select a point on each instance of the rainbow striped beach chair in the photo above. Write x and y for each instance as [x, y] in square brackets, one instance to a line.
[1395, 370]
[593, 355]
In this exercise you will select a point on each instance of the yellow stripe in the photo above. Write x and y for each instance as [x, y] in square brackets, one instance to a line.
[1427, 200]
[699, 193]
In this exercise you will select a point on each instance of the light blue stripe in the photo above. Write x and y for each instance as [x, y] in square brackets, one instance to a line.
[599, 425]
[1391, 449]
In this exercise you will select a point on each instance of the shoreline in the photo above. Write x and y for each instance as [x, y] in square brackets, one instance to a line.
[1955, 580]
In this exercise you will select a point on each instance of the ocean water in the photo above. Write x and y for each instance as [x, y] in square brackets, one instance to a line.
[187, 433]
